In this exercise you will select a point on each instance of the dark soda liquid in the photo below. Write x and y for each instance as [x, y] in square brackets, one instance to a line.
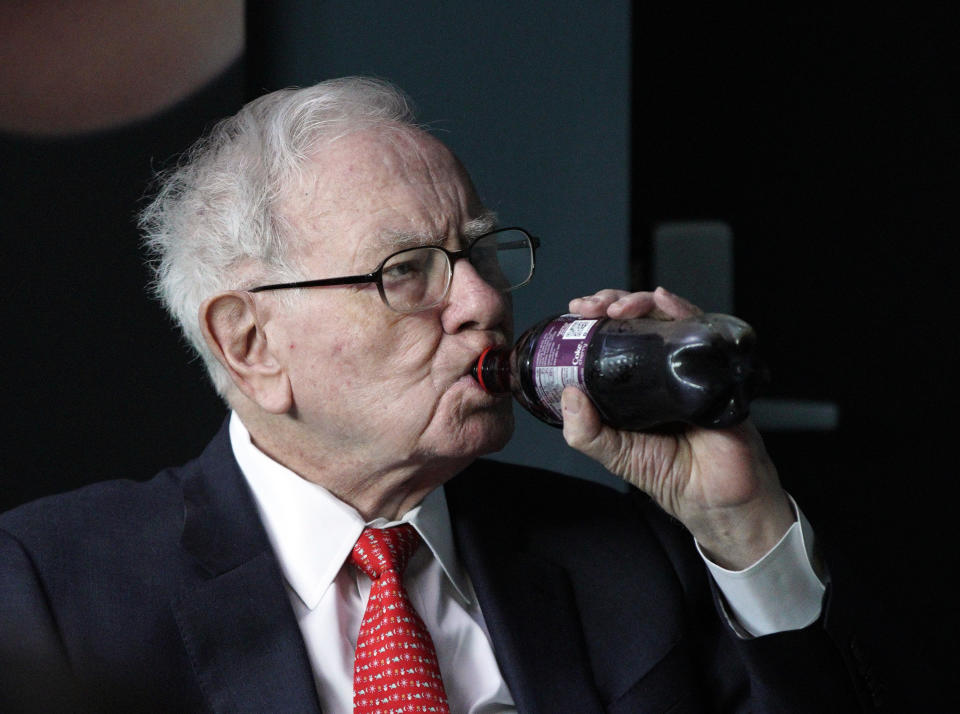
[641, 374]
[647, 375]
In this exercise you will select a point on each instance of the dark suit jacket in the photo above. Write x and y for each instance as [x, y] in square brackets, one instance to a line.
[166, 596]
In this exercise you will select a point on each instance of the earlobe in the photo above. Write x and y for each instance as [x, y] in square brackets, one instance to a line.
[234, 332]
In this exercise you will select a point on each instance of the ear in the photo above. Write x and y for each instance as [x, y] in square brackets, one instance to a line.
[235, 333]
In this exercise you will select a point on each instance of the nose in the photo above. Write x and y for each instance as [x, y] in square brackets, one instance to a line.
[473, 303]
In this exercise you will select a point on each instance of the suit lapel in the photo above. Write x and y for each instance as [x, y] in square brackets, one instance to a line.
[529, 610]
[574, 625]
[531, 616]
[235, 618]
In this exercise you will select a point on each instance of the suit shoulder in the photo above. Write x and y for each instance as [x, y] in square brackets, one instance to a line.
[115, 508]
[110, 536]
[532, 489]
[534, 493]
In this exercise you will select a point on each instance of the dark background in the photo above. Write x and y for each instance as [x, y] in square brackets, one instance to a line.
[827, 140]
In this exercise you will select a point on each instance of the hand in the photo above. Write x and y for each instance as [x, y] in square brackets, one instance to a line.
[719, 483]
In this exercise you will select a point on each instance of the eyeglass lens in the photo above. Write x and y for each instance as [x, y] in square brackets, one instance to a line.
[419, 278]
[415, 278]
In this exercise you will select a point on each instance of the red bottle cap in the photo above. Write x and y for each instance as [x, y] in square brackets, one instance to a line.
[478, 370]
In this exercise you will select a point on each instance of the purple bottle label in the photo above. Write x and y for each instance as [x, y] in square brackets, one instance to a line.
[559, 356]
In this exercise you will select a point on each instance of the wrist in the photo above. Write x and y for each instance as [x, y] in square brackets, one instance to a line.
[737, 537]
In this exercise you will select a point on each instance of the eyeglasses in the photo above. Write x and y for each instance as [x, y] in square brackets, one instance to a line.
[419, 278]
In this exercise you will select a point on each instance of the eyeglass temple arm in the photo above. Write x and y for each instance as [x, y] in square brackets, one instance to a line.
[354, 279]
[348, 280]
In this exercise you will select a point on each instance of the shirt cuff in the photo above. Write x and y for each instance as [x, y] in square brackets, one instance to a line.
[779, 592]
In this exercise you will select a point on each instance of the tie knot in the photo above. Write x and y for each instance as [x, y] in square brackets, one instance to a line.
[381, 549]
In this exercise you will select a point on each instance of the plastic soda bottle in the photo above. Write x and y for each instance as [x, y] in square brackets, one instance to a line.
[641, 373]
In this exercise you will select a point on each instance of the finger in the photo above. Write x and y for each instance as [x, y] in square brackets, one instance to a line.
[596, 305]
[638, 304]
[674, 306]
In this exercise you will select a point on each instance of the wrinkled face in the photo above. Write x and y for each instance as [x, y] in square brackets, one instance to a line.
[370, 385]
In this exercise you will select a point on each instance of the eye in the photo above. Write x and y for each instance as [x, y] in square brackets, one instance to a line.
[398, 271]
[409, 265]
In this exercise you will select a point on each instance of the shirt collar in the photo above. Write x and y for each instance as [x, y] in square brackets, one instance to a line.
[312, 531]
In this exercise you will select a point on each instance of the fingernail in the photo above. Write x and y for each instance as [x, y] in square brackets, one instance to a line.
[570, 402]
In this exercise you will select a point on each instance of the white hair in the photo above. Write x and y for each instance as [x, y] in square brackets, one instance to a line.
[215, 223]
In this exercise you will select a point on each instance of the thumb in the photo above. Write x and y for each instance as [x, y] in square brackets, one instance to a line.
[582, 428]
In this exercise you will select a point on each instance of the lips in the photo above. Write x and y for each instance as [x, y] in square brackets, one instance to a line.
[468, 369]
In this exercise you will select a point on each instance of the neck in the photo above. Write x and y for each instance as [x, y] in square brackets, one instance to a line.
[375, 487]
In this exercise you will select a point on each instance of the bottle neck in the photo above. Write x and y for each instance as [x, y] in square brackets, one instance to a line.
[492, 370]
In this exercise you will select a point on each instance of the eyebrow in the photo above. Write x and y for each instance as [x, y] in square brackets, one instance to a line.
[484, 223]
[398, 240]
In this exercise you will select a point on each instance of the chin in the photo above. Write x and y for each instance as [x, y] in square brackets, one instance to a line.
[496, 431]
[477, 433]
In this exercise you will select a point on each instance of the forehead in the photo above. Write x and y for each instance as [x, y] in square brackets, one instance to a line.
[376, 189]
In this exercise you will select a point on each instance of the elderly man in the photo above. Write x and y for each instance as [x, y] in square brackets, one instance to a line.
[335, 269]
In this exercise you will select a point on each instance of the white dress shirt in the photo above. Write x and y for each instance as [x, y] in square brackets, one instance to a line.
[312, 533]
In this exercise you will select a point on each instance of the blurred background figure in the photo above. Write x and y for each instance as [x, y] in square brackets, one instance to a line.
[96, 95]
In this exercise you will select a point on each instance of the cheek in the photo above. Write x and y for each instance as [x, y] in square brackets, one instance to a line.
[388, 365]
[359, 352]
[406, 351]
[323, 363]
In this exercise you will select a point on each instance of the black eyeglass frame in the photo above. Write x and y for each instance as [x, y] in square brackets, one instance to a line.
[377, 275]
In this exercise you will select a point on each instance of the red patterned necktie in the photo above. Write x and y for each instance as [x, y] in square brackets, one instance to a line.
[395, 669]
